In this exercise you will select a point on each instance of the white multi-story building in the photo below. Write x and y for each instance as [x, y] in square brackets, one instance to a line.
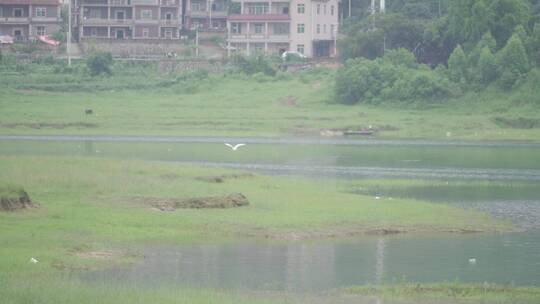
[273, 27]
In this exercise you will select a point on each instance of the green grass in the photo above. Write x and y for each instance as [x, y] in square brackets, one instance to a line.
[450, 293]
[139, 101]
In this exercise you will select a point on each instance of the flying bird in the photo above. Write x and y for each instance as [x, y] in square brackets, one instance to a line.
[32, 260]
[235, 147]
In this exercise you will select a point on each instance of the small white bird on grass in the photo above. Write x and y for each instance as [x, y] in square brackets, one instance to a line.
[235, 147]
[472, 261]
[33, 260]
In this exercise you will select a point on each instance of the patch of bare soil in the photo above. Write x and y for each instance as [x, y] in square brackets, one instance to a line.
[349, 230]
[218, 202]
[17, 202]
[46, 125]
[221, 178]
[288, 101]
[99, 255]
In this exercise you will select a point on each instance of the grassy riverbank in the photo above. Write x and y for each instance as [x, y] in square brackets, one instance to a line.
[91, 215]
[302, 104]
[94, 204]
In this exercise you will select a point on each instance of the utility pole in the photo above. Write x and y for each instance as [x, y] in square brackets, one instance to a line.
[68, 42]
[197, 41]
[350, 8]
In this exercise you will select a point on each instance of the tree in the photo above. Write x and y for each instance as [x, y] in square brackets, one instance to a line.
[508, 15]
[99, 63]
[513, 62]
[486, 41]
[487, 66]
[535, 44]
[369, 37]
[458, 65]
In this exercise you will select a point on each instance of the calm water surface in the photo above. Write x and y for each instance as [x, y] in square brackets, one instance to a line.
[511, 191]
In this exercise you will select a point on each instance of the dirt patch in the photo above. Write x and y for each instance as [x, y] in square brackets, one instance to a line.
[16, 200]
[217, 202]
[352, 230]
[46, 125]
[221, 178]
[99, 255]
[288, 101]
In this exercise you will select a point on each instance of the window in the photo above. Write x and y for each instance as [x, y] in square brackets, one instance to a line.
[332, 10]
[145, 32]
[18, 34]
[168, 33]
[300, 48]
[332, 29]
[324, 28]
[41, 12]
[146, 14]
[236, 28]
[258, 9]
[196, 24]
[259, 28]
[95, 13]
[196, 6]
[300, 28]
[301, 8]
[318, 28]
[324, 9]
[40, 31]
[281, 29]
[93, 32]
[17, 12]
[318, 9]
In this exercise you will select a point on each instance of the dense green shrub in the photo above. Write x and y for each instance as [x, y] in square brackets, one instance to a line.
[392, 78]
[254, 64]
[99, 63]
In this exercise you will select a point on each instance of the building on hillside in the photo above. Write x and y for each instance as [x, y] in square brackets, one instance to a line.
[27, 19]
[272, 27]
[206, 15]
[128, 19]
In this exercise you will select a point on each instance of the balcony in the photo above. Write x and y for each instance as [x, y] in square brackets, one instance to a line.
[105, 21]
[219, 14]
[261, 17]
[95, 21]
[95, 2]
[259, 38]
[198, 14]
[47, 19]
[171, 23]
[169, 3]
[147, 21]
[15, 20]
[120, 2]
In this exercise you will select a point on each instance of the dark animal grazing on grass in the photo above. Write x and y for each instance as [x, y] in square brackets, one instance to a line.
[88, 111]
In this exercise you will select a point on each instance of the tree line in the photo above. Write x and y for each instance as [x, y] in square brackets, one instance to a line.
[431, 49]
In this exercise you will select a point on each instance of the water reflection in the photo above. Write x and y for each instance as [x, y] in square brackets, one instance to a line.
[510, 258]
[379, 265]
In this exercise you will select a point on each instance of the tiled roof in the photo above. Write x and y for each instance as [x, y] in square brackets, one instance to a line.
[264, 17]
